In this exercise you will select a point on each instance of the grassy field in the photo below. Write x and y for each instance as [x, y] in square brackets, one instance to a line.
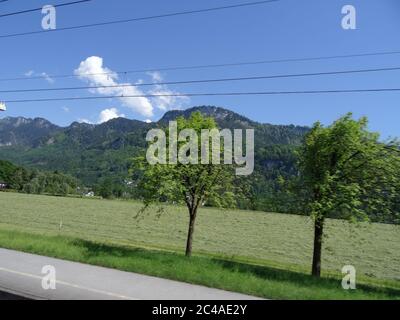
[273, 241]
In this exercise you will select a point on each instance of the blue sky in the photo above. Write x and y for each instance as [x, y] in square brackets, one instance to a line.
[285, 29]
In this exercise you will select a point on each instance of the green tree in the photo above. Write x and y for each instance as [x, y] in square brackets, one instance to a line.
[190, 184]
[346, 173]
[105, 189]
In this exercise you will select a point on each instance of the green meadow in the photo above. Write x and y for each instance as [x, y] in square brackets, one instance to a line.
[264, 254]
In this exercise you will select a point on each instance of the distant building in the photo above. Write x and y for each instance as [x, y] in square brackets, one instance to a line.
[89, 194]
[3, 185]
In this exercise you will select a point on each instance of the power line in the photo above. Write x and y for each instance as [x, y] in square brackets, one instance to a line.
[40, 9]
[247, 4]
[259, 93]
[209, 66]
[206, 80]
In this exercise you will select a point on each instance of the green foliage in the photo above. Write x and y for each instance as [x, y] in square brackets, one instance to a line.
[191, 184]
[36, 182]
[348, 173]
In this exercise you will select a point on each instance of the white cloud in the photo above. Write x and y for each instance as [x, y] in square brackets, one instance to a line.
[47, 77]
[92, 71]
[104, 116]
[109, 114]
[167, 100]
[29, 73]
[44, 75]
[81, 120]
[66, 109]
[155, 76]
[148, 121]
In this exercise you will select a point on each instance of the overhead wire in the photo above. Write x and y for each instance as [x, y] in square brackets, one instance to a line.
[122, 21]
[335, 91]
[40, 8]
[278, 76]
[206, 66]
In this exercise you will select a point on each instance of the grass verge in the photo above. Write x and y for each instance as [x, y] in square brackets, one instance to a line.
[272, 239]
[262, 281]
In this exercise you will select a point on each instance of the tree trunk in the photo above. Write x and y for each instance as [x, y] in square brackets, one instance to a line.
[318, 233]
[189, 241]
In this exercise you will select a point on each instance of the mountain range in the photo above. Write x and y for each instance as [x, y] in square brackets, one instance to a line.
[93, 153]
[39, 132]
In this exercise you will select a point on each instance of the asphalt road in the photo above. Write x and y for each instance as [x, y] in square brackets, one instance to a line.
[10, 296]
[21, 275]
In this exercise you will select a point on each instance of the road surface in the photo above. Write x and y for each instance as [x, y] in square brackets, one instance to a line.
[10, 296]
[21, 275]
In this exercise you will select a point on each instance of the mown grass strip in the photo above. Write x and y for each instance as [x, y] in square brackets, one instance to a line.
[262, 281]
